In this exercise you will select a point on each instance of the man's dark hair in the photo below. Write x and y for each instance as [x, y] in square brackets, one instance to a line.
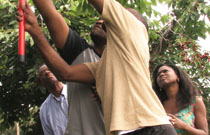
[138, 16]
[187, 90]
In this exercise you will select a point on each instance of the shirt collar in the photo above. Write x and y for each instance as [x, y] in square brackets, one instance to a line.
[63, 93]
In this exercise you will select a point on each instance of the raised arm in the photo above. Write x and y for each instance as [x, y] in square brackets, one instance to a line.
[64, 72]
[55, 22]
[98, 4]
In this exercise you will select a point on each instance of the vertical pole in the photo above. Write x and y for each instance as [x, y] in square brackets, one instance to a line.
[21, 42]
[17, 128]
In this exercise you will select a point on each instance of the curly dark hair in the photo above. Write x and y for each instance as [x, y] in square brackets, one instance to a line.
[187, 90]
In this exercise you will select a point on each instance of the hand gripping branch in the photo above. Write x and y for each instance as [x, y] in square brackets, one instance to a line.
[21, 43]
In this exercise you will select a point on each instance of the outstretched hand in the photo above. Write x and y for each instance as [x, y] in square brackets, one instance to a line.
[31, 22]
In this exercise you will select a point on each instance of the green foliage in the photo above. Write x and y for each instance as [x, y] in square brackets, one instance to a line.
[173, 38]
[176, 42]
[19, 90]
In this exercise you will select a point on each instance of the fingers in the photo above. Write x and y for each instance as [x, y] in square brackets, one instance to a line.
[172, 123]
[171, 115]
[26, 7]
[23, 5]
[19, 16]
[172, 118]
[18, 13]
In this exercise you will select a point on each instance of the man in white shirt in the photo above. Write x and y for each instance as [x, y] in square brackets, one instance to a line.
[54, 110]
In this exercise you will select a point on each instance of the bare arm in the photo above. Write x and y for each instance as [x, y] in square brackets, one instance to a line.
[201, 125]
[55, 22]
[98, 4]
[64, 72]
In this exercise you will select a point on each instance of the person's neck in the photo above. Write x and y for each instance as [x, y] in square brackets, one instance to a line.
[58, 89]
[99, 48]
[172, 91]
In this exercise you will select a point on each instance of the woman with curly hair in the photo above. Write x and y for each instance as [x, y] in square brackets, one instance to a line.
[187, 112]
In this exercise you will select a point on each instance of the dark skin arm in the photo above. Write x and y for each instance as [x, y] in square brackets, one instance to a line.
[55, 22]
[64, 72]
[98, 4]
[201, 125]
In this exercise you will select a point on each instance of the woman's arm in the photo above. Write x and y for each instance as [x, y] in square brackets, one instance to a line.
[201, 125]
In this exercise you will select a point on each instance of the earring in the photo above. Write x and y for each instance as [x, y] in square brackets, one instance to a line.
[177, 80]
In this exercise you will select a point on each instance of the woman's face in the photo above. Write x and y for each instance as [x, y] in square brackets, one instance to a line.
[166, 76]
